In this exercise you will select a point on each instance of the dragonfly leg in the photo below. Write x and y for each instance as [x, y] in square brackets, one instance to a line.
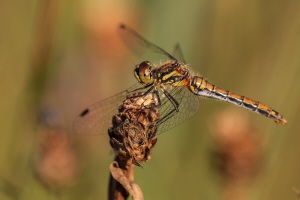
[157, 96]
[169, 97]
[143, 94]
[146, 93]
[141, 88]
[172, 112]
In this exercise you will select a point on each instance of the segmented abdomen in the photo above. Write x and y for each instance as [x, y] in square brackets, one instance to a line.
[202, 87]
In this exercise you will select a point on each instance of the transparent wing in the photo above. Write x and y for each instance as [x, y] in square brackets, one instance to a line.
[188, 102]
[142, 47]
[188, 106]
[177, 53]
[97, 118]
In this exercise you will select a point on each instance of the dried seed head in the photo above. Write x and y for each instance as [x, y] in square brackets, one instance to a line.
[133, 133]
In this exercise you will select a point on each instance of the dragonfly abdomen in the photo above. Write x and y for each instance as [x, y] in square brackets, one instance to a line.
[202, 87]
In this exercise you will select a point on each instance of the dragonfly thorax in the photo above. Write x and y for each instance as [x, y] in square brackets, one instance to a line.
[143, 73]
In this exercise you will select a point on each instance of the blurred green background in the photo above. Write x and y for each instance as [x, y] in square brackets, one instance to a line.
[66, 55]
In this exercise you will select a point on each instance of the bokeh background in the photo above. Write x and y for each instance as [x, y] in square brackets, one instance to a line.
[57, 57]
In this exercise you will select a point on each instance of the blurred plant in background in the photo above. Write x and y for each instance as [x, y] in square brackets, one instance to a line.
[56, 163]
[67, 55]
[238, 149]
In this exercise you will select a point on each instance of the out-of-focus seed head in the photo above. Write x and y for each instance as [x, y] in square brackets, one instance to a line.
[238, 145]
[57, 163]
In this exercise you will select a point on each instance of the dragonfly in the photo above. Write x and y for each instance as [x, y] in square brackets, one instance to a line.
[174, 86]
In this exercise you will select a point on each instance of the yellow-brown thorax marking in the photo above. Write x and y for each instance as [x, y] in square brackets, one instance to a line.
[172, 74]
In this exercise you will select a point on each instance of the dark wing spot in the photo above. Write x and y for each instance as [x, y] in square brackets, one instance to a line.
[122, 26]
[86, 111]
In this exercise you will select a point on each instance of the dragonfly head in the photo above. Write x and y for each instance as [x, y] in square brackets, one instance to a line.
[143, 73]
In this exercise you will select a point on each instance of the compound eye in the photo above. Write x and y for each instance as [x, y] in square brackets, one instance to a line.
[143, 72]
[145, 68]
